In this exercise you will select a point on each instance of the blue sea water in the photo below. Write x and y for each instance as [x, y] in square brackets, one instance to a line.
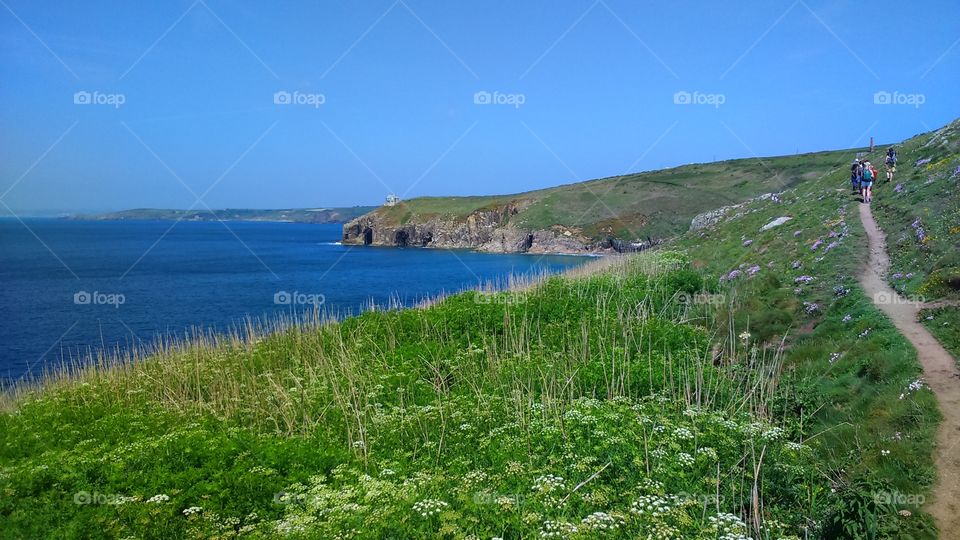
[74, 286]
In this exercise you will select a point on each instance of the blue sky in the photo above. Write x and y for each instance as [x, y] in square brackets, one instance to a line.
[586, 88]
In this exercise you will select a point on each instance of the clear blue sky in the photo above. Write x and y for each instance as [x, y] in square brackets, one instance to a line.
[597, 80]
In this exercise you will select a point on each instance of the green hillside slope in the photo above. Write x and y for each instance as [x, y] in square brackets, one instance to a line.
[632, 207]
[735, 384]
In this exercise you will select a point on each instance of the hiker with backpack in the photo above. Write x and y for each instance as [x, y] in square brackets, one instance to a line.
[891, 163]
[866, 182]
[856, 173]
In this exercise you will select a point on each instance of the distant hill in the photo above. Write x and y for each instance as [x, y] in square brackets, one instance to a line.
[588, 216]
[292, 215]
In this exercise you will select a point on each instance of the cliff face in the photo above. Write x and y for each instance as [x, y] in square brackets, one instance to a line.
[487, 230]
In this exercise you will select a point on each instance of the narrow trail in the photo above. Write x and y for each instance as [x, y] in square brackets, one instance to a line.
[939, 371]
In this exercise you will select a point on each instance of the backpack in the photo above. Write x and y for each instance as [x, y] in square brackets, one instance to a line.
[868, 174]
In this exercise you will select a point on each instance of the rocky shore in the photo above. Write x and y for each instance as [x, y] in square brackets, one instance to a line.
[487, 230]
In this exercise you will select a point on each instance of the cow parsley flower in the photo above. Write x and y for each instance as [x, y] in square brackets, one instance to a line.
[599, 521]
[161, 498]
[429, 507]
[548, 483]
[650, 505]
[557, 529]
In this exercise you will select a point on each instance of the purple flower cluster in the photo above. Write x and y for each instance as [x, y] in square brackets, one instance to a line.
[753, 270]
[734, 274]
[897, 275]
[816, 244]
[830, 246]
[796, 233]
[923, 161]
[841, 291]
[795, 265]
[918, 227]
[747, 243]
[898, 188]
[803, 279]
[810, 307]
[847, 318]
[909, 275]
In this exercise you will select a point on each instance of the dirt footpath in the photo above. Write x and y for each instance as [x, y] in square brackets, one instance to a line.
[939, 371]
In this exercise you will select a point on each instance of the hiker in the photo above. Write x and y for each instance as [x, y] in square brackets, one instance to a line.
[856, 173]
[866, 182]
[891, 163]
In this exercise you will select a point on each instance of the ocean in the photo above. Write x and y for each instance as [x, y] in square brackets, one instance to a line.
[72, 287]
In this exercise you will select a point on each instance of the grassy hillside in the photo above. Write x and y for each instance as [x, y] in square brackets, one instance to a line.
[658, 203]
[736, 385]
[922, 213]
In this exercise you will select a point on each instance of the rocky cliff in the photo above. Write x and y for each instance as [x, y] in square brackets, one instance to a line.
[488, 230]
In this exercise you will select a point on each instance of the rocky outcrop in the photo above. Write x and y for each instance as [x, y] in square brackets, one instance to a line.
[711, 218]
[487, 230]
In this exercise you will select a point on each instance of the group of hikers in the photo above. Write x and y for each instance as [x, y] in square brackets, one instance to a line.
[863, 174]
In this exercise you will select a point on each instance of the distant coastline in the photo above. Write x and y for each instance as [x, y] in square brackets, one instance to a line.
[287, 215]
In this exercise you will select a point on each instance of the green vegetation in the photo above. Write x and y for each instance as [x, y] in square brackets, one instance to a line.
[944, 323]
[657, 203]
[295, 215]
[920, 212]
[737, 385]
